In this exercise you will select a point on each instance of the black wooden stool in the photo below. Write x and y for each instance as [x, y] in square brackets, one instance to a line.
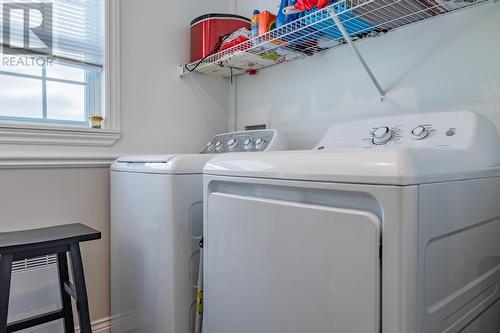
[35, 243]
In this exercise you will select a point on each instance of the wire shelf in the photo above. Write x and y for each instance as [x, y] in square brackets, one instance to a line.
[317, 31]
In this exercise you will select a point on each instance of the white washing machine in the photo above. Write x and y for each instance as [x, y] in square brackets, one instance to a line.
[390, 225]
[156, 222]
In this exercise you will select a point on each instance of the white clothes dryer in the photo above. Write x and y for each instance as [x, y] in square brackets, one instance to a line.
[390, 225]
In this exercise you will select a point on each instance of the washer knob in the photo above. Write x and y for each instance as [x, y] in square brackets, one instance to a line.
[231, 144]
[382, 135]
[248, 144]
[210, 146]
[419, 133]
[259, 143]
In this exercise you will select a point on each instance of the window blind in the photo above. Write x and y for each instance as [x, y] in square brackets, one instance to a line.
[77, 29]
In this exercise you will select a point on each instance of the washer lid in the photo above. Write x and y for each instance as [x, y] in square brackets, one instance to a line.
[166, 164]
[145, 159]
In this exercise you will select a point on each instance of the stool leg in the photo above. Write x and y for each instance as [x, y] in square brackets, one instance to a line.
[81, 289]
[5, 275]
[62, 262]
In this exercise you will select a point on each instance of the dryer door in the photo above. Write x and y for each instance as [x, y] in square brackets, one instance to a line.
[276, 266]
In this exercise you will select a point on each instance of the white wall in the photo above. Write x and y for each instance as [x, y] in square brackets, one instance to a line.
[161, 112]
[444, 64]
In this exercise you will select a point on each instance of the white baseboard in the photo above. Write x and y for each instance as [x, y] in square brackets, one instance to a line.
[100, 326]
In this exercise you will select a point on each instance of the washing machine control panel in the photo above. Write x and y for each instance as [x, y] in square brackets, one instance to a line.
[245, 141]
[445, 130]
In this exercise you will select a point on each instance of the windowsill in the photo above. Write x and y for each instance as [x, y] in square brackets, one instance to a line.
[42, 161]
[56, 134]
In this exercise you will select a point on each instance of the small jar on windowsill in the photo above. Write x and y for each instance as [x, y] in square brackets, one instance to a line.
[96, 121]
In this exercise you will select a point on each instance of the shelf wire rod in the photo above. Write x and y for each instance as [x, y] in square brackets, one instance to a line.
[347, 37]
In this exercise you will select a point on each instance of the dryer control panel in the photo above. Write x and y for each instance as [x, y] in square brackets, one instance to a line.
[245, 141]
[444, 130]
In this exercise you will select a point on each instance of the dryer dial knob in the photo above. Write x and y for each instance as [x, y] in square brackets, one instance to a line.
[419, 133]
[259, 143]
[382, 135]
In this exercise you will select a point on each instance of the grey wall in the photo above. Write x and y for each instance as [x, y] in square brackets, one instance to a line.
[34, 198]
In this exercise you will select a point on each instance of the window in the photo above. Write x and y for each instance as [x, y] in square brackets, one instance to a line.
[56, 93]
[52, 68]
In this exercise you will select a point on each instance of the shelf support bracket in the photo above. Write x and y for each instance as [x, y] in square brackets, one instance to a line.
[348, 38]
[181, 71]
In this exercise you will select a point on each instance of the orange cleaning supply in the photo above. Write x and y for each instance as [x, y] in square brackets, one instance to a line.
[267, 22]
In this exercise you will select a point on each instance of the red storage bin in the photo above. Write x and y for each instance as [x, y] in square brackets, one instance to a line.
[206, 30]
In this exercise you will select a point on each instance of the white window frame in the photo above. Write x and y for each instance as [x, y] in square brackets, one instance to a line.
[35, 133]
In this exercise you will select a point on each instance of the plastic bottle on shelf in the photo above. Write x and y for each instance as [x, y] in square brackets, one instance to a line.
[255, 24]
[283, 18]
